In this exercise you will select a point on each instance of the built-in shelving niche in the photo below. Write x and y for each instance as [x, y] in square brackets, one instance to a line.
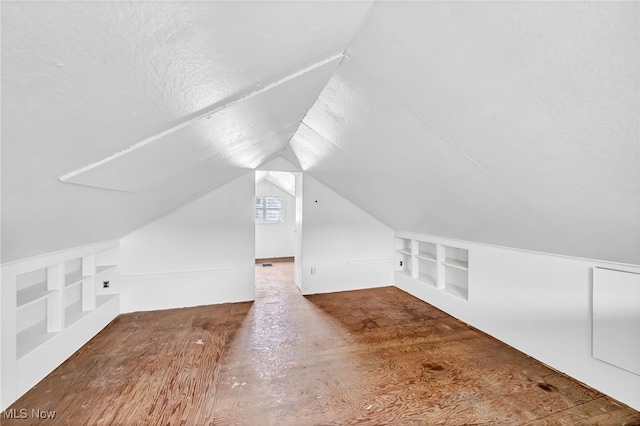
[403, 255]
[456, 271]
[38, 296]
[440, 266]
[427, 263]
[53, 302]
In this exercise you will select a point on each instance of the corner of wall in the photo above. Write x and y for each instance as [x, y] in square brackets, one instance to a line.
[201, 253]
[344, 248]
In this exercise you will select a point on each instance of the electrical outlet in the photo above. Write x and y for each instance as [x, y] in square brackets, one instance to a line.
[401, 263]
[313, 271]
[105, 284]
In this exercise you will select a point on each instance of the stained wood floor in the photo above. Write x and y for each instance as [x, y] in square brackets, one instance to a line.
[372, 357]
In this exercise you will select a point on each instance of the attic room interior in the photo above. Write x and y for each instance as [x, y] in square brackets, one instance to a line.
[457, 183]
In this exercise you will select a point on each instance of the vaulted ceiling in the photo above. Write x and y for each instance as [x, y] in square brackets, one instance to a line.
[509, 123]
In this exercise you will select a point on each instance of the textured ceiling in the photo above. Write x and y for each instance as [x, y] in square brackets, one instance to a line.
[511, 123]
[218, 87]
[243, 133]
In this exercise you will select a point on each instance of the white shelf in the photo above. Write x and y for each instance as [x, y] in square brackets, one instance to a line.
[32, 294]
[427, 279]
[437, 265]
[426, 256]
[100, 269]
[74, 313]
[32, 337]
[72, 285]
[404, 251]
[73, 278]
[103, 299]
[73, 294]
[53, 292]
[457, 291]
[455, 263]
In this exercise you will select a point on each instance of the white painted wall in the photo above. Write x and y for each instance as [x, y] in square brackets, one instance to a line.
[348, 248]
[202, 253]
[276, 239]
[538, 303]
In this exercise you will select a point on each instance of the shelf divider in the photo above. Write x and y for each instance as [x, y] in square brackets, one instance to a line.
[55, 306]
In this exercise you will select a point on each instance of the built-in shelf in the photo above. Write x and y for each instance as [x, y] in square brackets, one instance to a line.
[100, 269]
[56, 310]
[105, 298]
[455, 263]
[73, 278]
[32, 294]
[74, 313]
[437, 265]
[403, 256]
[428, 279]
[423, 255]
[72, 296]
[32, 337]
[456, 290]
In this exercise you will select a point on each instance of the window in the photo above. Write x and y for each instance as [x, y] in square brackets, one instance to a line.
[269, 210]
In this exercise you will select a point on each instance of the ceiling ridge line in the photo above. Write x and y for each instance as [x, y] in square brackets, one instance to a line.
[302, 123]
[262, 137]
[360, 26]
[323, 137]
[299, 123]
[343, 55]
[278, 153]
[272, 157]
[22, 194]
[206, 112]
[464, 154]
[39, 187]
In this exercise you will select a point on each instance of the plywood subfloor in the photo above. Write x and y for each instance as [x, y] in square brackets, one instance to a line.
[372, 357]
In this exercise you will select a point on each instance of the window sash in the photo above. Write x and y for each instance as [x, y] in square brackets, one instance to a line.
[269, 209]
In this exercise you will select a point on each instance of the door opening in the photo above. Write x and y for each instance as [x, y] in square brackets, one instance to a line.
[277, 218]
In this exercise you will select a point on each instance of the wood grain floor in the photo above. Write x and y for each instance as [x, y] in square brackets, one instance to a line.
[372, 357]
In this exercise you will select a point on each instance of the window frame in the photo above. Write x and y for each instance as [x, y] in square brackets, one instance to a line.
[265, 209]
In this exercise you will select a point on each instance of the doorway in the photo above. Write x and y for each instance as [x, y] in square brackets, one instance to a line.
[278, 220]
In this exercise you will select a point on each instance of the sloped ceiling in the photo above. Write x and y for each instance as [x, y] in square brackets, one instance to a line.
[242, 133]
[510, 123]
[217, 87]
[283, 180]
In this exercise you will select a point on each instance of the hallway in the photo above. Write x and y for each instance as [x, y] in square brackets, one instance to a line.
[374, 357]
